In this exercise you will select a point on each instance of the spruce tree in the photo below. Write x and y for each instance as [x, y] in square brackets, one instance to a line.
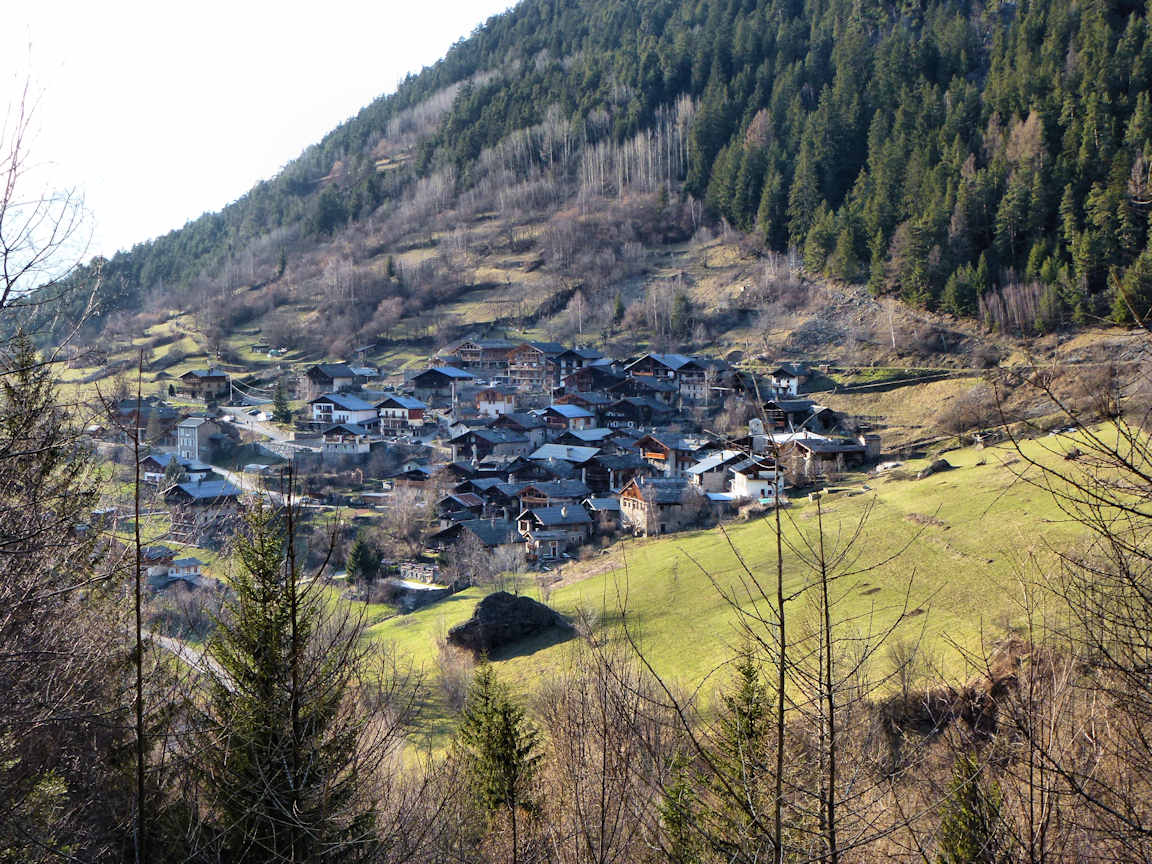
[500, 750]
[972, 829]
[278, 759]
[740, 779]
[281, 410]
[363, 561]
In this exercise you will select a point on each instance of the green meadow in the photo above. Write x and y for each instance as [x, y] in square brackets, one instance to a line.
[950, 553]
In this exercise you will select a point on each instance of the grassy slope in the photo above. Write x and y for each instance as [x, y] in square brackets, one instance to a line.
[984, 524]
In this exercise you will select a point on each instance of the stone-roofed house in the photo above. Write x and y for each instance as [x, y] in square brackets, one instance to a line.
[440, 382]
[593, 378]
[477, 444]
[326, 378]
[610, 472]
[574, 359]
[711, 473]
[399, 413]
[549, 492]
[525, 423]
[562, 417]
[154, 467]
[669, 454]
[634, 412]
[344, 408]
[211, 385]
[551, 531]
[345, 439]
[491, 533]
[575, 455]
[661, 505]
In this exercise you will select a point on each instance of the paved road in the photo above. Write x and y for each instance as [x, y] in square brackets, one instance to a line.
[193, 657]
[268, 430]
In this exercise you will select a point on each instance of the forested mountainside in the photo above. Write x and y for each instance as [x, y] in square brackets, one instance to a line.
[981, 159]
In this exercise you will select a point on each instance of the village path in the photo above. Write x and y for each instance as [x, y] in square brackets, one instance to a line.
[194, 658]
[268, 430]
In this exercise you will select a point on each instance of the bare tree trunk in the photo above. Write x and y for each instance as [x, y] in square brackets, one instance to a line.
[140, 832]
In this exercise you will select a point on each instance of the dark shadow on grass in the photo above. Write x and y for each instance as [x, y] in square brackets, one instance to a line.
[538, 642]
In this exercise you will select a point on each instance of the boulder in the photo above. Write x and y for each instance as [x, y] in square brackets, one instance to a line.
[935, 468]
[502, 619]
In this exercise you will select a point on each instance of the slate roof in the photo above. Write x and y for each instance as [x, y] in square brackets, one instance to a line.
[493, 436]
[192, 422]
[344, 401]
[491, 532]
[565, 452]
[408, 402]
[206, 490]
[334, 370]
[523, 419]
[665, 490]
[670, 361]
[559, 515]
[714, 462]
[449, 372]
[206, 373]
[603, 505]
[571, 412]
[620, 461]
[350, 428]
[790, 406]
[187, 562]
[572, 489]
[589, 436]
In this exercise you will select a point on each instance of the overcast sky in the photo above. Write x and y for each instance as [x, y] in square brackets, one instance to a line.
[157, 112]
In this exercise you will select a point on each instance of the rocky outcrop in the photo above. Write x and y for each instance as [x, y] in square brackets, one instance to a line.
[935, 468]
[502, 619]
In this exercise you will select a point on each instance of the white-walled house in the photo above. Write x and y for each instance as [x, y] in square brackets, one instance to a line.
[756, 480]
[344, 408]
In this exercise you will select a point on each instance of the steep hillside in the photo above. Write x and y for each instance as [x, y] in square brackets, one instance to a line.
[990, 161]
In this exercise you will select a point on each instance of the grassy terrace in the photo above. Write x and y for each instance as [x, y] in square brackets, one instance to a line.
[969, 533]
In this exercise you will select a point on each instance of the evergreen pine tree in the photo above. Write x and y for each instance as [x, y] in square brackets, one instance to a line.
[281, 410]
[740, 780]
[363, 561]
[279, 757]
[971, 830]
[500, 751]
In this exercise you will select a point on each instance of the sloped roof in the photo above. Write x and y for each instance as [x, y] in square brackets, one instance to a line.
[206, 373]
[557, 488]
[448, 372]
[714, 462]
[333, 370]
[670, 361]
[491, 532]
[350, 428]
[602, 505]
[562, 514]
[589, 436]
[206, 490]
[345, 401]
[408, 402]
[565, 452]
[492, 436]
[572, 412]
[523, 419]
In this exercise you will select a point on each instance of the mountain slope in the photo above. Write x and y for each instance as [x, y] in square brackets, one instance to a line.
[984, 160]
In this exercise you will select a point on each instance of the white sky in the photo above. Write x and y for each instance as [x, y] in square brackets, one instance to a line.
[157, 111]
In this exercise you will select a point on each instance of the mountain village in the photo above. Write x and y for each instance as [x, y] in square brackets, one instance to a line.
[539, 451]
